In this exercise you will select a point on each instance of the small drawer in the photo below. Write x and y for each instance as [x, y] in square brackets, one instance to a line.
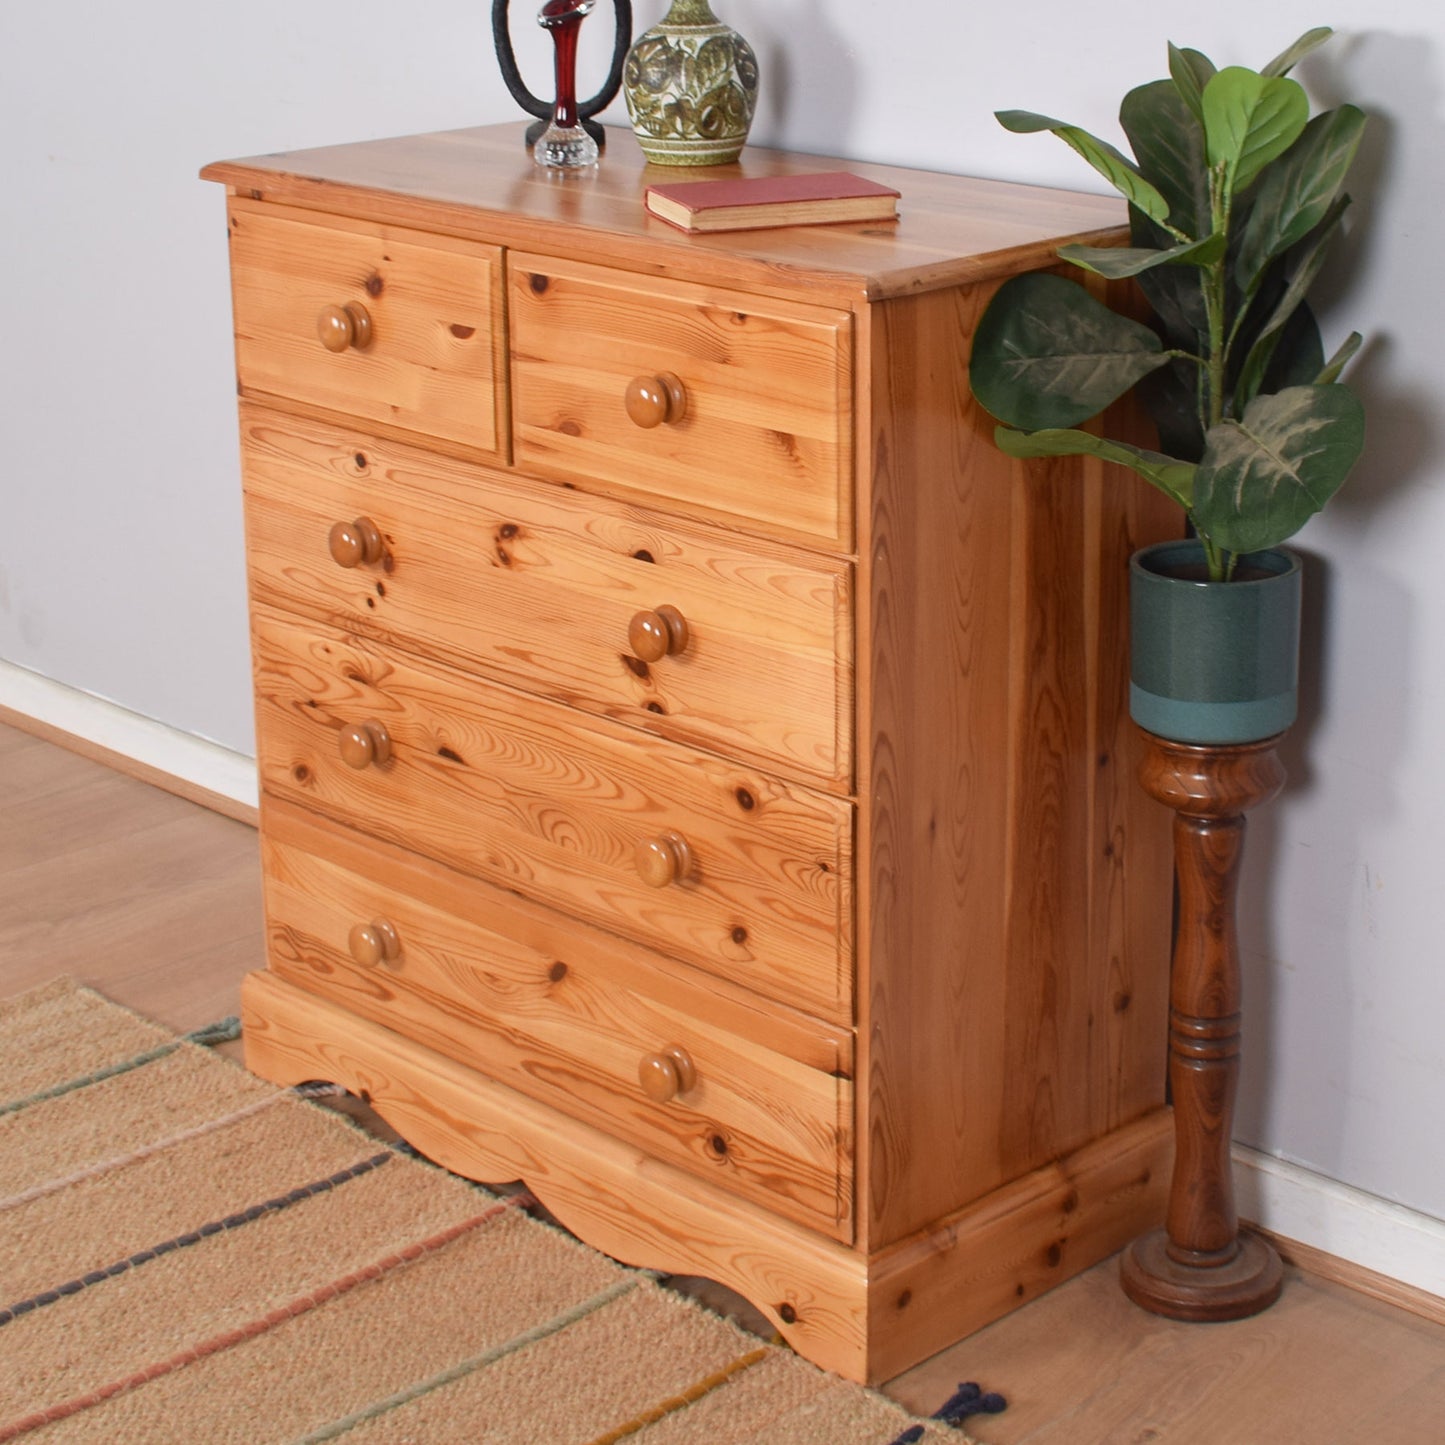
[396, 327]
[710, 861]
[715, 402]
[556, 593]
[571, 1017]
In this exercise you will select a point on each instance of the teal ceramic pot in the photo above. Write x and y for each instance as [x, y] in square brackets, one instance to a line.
[1213, 662]
[691, 85]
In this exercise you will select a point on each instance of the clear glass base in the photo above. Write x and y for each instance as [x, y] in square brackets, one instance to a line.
[565, 148]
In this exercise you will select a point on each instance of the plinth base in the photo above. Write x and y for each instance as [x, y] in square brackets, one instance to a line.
[1246, 1285]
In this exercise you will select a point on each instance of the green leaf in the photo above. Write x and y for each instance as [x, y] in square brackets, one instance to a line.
[1299, 356]
[1171, 396]
[1297, 191]
[1190, 72]
[1251, 119]
[1336, 364]
[1286, 60]
[1116, 262]
[1047, 354]
[1115, 167]
[1175, 478]
[1175, 292]
[1264, 476]
[1168, 143]
[1306, 269]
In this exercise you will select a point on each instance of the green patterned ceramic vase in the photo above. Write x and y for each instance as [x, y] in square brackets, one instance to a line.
[1213, 662]
[691, 84]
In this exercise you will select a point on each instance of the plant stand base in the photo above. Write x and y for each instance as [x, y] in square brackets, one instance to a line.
[1242, 1286]
[1201, 1266]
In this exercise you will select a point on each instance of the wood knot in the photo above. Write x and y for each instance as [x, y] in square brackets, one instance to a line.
[538, 284]
[557, 972]
[787, 1313]
[375, 285]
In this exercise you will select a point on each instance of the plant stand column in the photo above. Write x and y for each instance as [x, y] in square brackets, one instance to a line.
[1200, 1266]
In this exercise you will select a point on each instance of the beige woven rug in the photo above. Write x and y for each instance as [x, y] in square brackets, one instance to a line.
[190, 1254]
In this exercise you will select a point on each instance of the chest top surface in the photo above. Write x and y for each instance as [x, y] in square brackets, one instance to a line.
[481, 181]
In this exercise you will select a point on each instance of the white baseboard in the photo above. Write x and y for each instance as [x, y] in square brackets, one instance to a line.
[1290, 1200]
[205, 765]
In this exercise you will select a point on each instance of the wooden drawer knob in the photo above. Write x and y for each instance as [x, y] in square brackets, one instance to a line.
[352, 543]
[667, 1073]
[364, 744]
[664, 859]
[375, 942]
[343, 326]
[652, 400]
[656, 634]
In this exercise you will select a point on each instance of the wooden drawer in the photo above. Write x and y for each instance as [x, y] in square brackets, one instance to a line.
[508, 786]
[541, 587]
[569, 1016]
[434, 359]
[766, 427]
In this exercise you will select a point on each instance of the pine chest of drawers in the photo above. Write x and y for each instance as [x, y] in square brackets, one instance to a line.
[695, 768]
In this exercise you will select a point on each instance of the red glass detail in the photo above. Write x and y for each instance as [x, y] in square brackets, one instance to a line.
[563, 19]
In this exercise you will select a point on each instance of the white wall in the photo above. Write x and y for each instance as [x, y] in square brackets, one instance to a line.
[120, 557]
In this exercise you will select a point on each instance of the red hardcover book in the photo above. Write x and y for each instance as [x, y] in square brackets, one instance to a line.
[759, 201]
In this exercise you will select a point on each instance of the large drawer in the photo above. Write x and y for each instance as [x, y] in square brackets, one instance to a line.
[417, 318]
[746, 409]
[545, 589]
[711, 861]
[570, 1016]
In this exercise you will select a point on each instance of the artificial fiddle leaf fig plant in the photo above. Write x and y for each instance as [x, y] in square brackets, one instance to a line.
[1234, 195]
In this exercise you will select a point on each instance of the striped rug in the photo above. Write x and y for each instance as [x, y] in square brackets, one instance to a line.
[188, 1254]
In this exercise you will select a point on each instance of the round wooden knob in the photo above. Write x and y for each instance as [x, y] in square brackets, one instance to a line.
[364, 744]
[667, 1073]
[343, 326]
[375, 942]
[352, 543]
[652, 400]
[656, 634]
[664, 859]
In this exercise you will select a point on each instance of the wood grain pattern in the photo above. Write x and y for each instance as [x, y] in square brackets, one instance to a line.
[1201, 1267]
[625, 1202]
[538, 586]
[433, 363]
[1014, 1244]
[561, 1026]
[481, 182]
[1001, 953]
[765, 439]
[802, 441]
[506, 786]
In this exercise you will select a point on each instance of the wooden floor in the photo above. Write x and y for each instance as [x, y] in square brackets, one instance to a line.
[156, 902]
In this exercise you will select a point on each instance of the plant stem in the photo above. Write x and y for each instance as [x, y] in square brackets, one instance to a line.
[1215, 303]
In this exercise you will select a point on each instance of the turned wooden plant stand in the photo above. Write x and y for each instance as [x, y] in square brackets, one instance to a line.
[1200, 1266]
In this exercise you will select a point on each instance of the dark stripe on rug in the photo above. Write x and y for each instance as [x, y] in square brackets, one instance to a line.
[300, 1306]
[217, 1033]
[194, 1236]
